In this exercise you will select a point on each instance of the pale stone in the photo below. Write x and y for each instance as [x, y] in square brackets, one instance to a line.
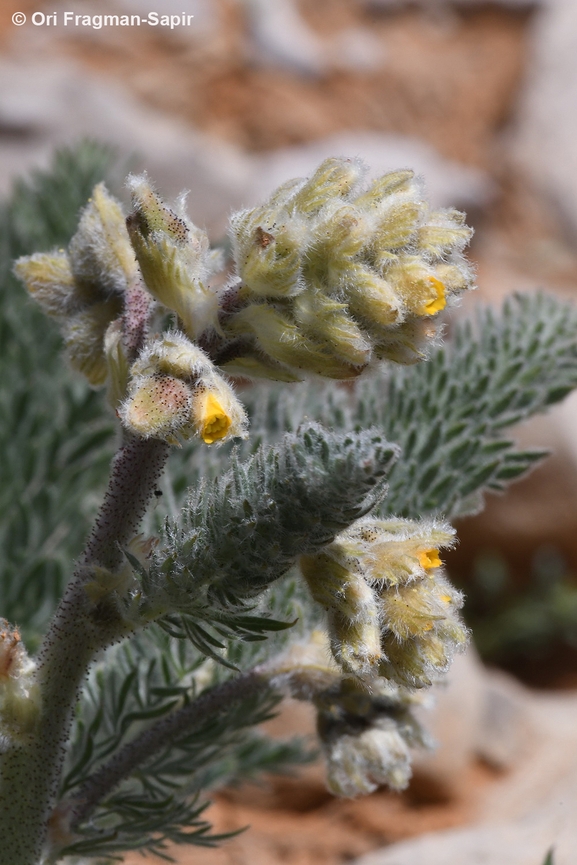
[447, 182]
[356, 48]
[57, 103]
[520, 817]
[280, 37]
[505, 732]
[427, 5]
[53, 103]
[546, 130]
[475, 713]
[453, 720]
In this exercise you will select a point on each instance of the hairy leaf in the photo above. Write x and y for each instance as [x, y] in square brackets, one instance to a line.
[244, 530]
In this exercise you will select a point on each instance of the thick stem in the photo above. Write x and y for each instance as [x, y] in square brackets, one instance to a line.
[135, 471]
[30, 770]
[167, 730]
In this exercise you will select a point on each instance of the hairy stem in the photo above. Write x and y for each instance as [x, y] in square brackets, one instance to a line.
[135, 471]
[30, 770]
[167, 730]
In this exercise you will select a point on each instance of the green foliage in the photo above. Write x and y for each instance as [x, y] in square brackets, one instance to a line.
[43, 210]
[244, 530]
[56, 442]
[137, 684]
[448, 415]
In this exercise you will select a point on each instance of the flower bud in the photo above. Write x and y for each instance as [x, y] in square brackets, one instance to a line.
[175, 391]
[84, 338]
[353, 614]
[100, 253]
[366, 737]
[334, 179]
[158, 406]
[358, 764]
[48, 279]
[280, 338]
[84, 288]
[174, 257]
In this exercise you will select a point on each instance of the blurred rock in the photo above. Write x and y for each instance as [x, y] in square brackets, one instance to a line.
[454, 721]
[529, 811]
[448, 182]
[439, 4]
[476, 713]
[547, 125]
[56, 103]
[523, 844]
[357, 49]
[280, 37]
[205, 18]
[505, 731]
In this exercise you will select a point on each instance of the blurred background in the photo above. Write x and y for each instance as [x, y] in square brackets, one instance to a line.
[479, 96]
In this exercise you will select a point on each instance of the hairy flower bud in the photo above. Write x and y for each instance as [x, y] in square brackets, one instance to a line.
[84, 288]
[349, 275]
[174, 256]
[101, 256]
[358, 764]
[391, 612]
[366, 738]
[365, 733]
[175, 391]
[353, 614]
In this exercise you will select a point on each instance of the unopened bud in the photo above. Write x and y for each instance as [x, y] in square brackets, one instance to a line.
[174, 256]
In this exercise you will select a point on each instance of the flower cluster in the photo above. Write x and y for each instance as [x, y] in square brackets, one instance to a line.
[366, 738]
[391, 611]
[84, 287]
[365, 733]
[329, 277]
[333, 276]
[163, 387]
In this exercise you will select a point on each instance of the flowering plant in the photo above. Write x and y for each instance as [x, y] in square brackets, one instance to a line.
[304, 526]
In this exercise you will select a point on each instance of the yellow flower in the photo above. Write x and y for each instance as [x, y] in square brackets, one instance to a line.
[429, 559]
[439, 302]
[214, 421]
[390, 610]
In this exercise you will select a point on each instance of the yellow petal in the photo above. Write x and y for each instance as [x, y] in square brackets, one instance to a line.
[439, 302]
[429, 559]
[215, 422]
